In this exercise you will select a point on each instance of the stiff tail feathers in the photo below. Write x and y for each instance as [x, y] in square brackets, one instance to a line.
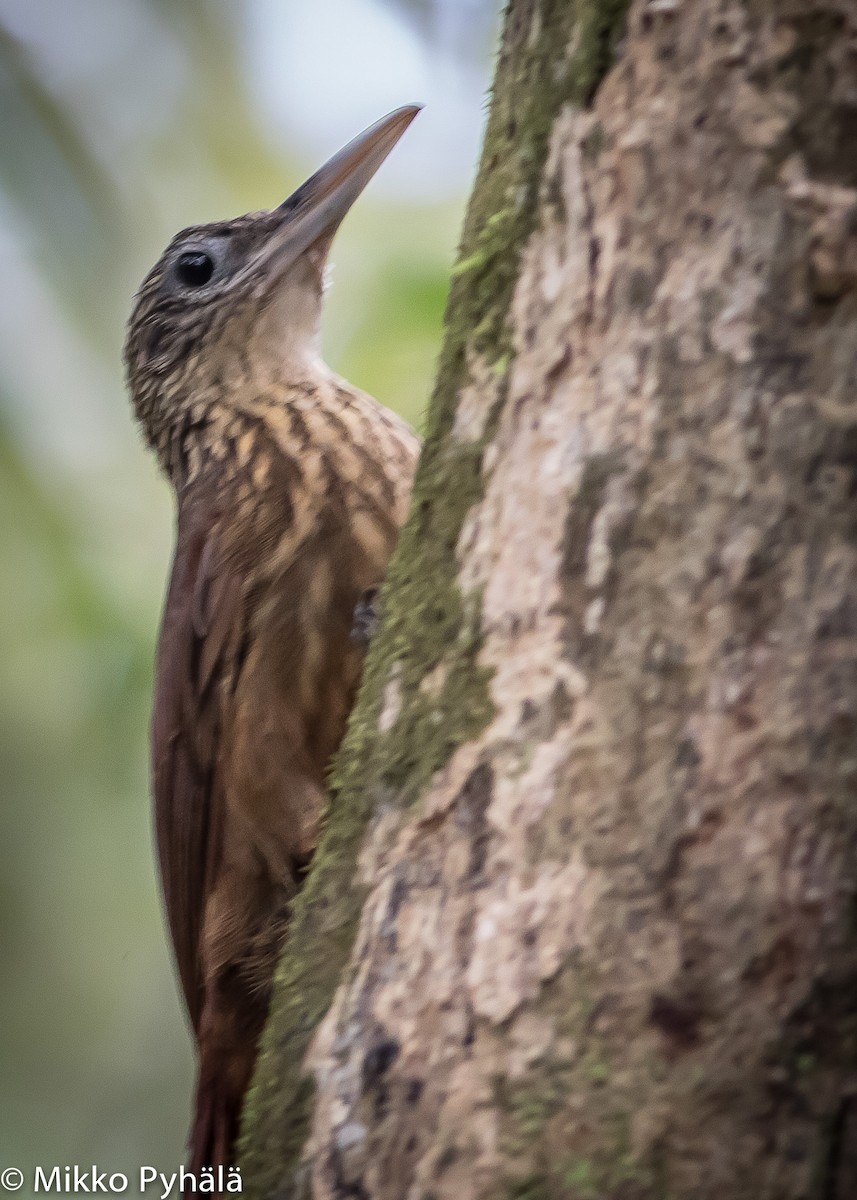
[215, 1128]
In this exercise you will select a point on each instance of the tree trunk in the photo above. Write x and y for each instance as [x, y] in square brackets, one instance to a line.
[585, 909]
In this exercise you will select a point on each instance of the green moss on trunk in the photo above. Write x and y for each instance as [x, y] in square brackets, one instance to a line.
[554, 53]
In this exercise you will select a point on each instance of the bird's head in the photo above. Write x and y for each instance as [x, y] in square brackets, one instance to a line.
[235, 303]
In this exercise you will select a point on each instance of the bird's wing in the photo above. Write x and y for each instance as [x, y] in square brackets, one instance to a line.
[202, 626]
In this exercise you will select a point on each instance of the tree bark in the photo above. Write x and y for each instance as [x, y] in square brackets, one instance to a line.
[584, 920]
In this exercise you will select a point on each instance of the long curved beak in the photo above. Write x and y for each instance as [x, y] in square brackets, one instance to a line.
[318, 207]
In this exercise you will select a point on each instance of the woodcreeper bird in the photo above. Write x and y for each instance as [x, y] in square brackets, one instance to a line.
[291, 486]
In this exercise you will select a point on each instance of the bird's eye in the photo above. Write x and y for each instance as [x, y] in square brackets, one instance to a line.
[194, 268]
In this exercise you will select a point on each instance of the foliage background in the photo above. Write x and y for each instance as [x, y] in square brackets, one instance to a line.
[123, 120]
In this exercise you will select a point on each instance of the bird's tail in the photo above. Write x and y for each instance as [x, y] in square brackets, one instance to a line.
[215, 1128]
[226, 1044]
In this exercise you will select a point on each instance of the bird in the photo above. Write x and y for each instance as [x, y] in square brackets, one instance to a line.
[290, 486]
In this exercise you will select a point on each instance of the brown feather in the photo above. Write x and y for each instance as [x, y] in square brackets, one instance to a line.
[291, 487]
[256, 674]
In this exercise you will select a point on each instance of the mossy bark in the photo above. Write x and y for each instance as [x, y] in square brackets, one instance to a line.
[583, 920]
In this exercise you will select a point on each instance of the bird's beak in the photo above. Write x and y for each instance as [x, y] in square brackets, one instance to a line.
[317, 208]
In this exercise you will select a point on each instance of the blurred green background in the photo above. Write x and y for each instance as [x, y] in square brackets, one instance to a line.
[122, 121]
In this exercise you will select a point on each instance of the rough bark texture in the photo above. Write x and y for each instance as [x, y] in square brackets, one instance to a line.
[599, 801]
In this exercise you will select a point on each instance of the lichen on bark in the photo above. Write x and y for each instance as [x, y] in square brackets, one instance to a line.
[553, 53]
